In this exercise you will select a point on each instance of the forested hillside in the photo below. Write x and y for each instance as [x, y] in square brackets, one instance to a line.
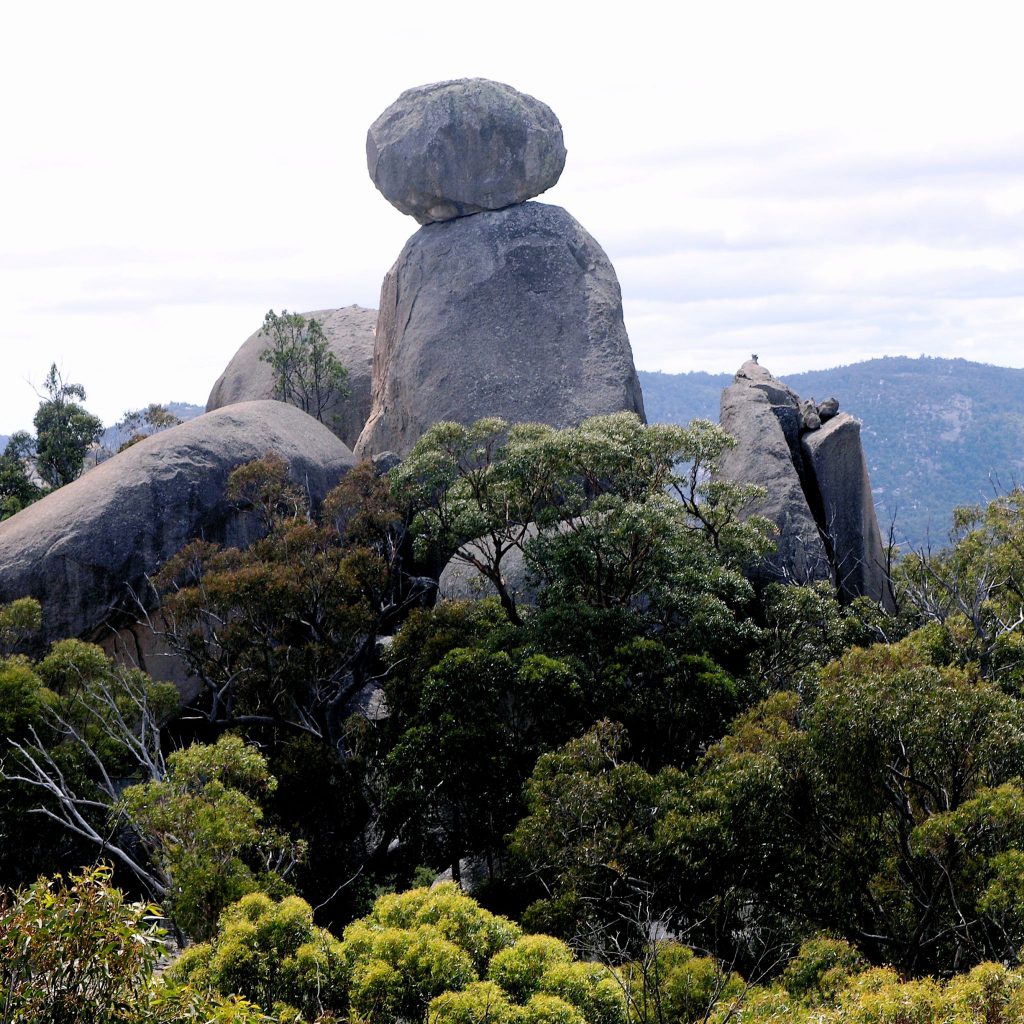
[937, 432]
[674, 797]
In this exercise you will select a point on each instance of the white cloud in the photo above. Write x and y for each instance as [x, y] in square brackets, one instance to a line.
[813, 181]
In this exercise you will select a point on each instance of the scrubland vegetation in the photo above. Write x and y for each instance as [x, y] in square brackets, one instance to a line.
[672, 797]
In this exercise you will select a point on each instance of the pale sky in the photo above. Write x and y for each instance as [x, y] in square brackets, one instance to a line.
[817, 182]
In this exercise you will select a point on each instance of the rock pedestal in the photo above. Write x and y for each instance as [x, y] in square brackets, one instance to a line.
[515, 313]
[810, 460]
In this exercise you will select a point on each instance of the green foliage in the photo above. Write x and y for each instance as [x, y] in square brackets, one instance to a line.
[886, 809]
[272, 954]
[609, 536]
[482, 1002]
[76, 727]
[306, 372]
[671, 983]
[483, 719]
[75, 952]
[520, 968]
[284, 633]
[18, 620]
[671, 704]
[137, 424]
[452, 914]
[17, 488]
[974, 588]
[64, 431]
[588, 838]
[805, 627]
[23, 698]
[426, 951]
[203, 826]
[820, 968]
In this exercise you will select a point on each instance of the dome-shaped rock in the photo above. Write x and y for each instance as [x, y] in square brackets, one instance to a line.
[515, 313]
[454, 148]
[349, 331]
[84, 549]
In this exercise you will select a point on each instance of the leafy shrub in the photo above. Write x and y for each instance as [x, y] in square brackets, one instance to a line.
[272, 954]
[75, 951]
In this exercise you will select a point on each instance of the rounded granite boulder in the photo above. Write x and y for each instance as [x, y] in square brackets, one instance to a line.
[86, 551]
[454, 148]
[349, 332]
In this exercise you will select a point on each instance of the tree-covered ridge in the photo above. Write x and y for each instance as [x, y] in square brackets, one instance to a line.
[937, 433]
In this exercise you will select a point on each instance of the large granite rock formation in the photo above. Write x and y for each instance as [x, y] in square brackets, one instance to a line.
[455, 148]
[763, 415]
[349, 331]
[85, 549]
[810, 460]
[460, 580]
[515, 313]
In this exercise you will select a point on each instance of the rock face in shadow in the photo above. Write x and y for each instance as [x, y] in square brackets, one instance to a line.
[836, 459]
[350, 332]
[455, 148]
[515, 313]
[810, 460]
[85, 549]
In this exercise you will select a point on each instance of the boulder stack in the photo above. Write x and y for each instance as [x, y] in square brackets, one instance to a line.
[809, 458]
[496, 307]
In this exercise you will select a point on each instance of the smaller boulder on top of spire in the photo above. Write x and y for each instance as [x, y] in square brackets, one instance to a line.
[450, 149]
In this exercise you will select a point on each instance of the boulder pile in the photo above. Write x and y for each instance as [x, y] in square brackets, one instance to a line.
[809, 458]
[496, 306]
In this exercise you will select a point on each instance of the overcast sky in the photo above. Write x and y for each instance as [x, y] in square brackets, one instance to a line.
[817, 182]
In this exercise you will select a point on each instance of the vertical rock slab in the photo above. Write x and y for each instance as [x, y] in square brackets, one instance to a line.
[763, 415]
[810, 460]
[836, 458]
[514, 313]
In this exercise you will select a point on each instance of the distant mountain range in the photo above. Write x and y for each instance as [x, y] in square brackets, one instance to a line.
[111, 437]
[937, 432]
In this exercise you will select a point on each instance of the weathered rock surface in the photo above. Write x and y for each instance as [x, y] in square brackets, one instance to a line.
[84, 549]
[349, 331]
[515, 313]
[809, 415]
[764, 417]
[836, 459]
[455, 148]
[828, 409]
[819, 494]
